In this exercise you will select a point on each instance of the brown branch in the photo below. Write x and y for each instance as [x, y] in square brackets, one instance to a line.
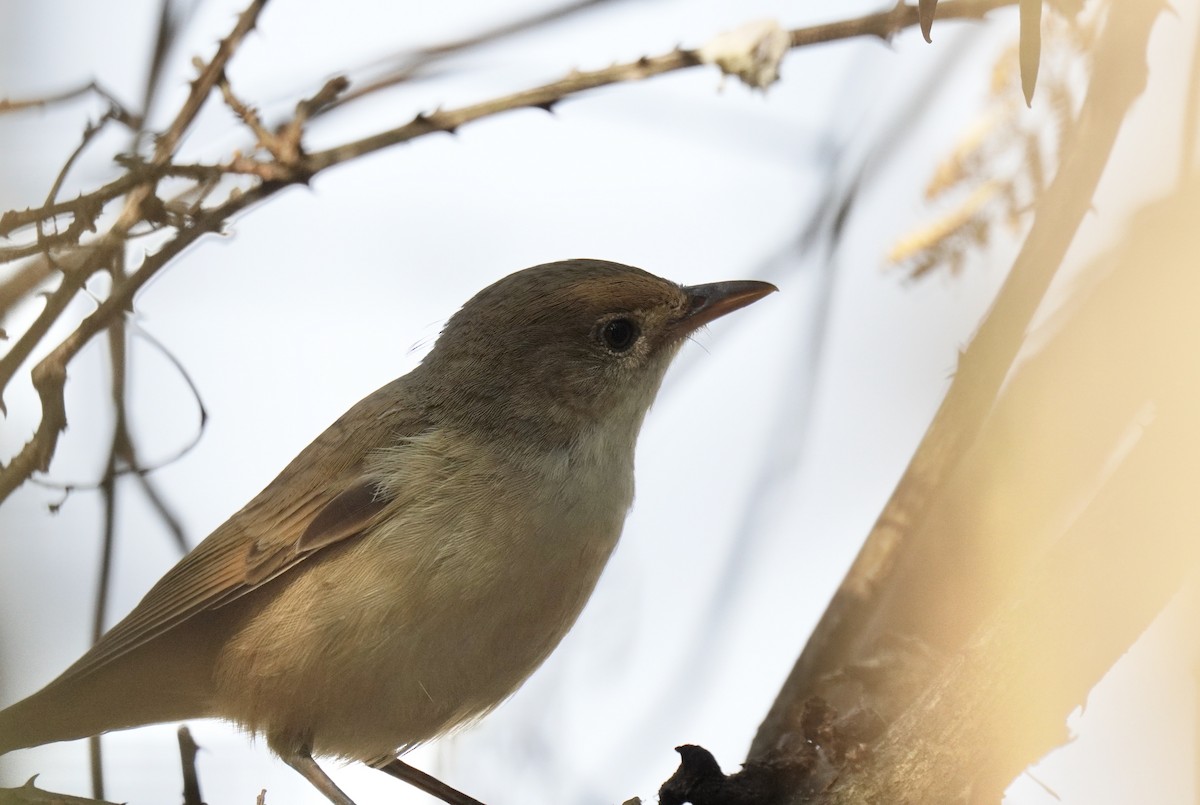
[117, 110]
[172, 18]
[30, 794]
[187, 759]
[22, 282]
[118, 352]
[886, 24]
[284, 146]
[15, 220]
[7, 105]
[912, 574]
[80, 223]
[882, 25]
[10, 295]
[56, 303]
[411, 63]
[169, 140]
[248, 115]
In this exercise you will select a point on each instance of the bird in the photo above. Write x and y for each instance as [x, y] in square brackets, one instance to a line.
[409, 569]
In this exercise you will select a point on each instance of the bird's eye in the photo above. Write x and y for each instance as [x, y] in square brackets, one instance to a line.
[619, 334]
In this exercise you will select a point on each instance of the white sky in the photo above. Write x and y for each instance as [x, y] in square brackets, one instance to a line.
[324, 293]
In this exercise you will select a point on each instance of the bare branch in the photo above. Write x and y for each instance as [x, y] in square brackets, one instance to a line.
[882, 25]
[886, 24]
[187, 759]
[30, 794]
[87, 206]
[408, 65]
[117, 110]
[168, 141]
[56, 303]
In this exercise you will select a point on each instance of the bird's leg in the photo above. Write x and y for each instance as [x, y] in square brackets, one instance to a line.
[426, 782]
[302, 761]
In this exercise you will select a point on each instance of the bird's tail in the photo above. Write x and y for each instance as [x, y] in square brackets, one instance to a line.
[42, 718]
[66, 710]
[147, 686]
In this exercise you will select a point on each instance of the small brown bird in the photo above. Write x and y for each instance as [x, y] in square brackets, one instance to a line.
[413, 565]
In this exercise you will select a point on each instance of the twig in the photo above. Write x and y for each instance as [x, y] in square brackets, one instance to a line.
[410, 64]
[118, 363]
[205, 82]
[187, 760]
[15, 220]
[96, 765]
[7, 105]
[248, 115]
[886, 24]
[117, 110]
[30, 794]
[56, 303]
[23, 281]
[172, 17]
[11, 294]
[284, 146]
[75, 230]
[131, 465]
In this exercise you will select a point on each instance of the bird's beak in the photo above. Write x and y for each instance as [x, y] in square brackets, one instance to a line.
[711, 301]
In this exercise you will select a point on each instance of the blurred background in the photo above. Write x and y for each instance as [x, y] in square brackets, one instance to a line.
[776, 440]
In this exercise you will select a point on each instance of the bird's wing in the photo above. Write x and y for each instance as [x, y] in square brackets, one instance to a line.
[321, 498]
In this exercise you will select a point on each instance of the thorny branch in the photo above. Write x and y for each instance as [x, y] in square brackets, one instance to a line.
[279, 161]
[407, 66]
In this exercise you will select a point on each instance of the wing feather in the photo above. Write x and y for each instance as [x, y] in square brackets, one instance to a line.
[321, 498]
